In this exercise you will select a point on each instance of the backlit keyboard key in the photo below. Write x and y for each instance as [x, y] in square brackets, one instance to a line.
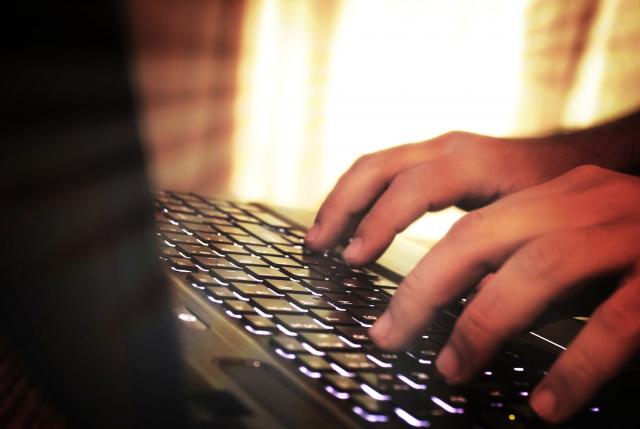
[266, 272]
[228, 276]
[333, 317]
[275, 305]
[299, 322]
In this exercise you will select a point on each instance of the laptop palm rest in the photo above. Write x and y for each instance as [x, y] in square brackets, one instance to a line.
[288, 404]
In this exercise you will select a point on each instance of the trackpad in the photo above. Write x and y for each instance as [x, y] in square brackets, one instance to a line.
[289, 404]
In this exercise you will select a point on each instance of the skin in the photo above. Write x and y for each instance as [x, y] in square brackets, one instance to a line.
[548, 215]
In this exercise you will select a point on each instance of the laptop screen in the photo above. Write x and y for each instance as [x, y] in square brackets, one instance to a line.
[83, 303]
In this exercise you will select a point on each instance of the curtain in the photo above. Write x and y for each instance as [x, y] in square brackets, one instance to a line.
[272, 100]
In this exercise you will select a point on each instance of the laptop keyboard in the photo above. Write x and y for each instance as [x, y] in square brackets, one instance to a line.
[315, 312]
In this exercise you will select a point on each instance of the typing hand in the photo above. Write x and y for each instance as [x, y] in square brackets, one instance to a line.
[384, 192]
[543, 244]
[540, 239]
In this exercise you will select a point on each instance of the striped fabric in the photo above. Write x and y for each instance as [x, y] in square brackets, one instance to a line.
[22, 403]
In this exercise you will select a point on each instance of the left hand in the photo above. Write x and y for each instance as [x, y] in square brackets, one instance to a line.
[543, 243]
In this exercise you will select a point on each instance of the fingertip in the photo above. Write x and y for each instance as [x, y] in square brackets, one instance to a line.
[545, 404]
[352, 255]
[313, 232]
[316, 238]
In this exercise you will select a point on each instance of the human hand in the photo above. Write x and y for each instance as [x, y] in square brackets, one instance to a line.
[382, 193]
[542, 244]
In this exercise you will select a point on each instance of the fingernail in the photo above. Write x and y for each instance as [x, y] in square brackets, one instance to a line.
[544, 403]
[313, 232]
[352, 249]
[448, 363]
[382, 327]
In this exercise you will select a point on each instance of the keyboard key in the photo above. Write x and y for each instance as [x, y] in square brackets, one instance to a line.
[372, 297]
[355, 334]
[275, 305]
[292, 250]
[415, 379]
[183, 217]
[169, 227]
[287, 344]
[259, 323]
[299, 322]
[352, 361]
[366, 316]
[201, 227]
[323, 286]
[303, 273]
[180, 238]
[264, 234]
[241, 217]
[183, 264]
[196, 250]
[186, 196]
[384, 359]
[340, 382]
[318, 259]
[264, 250]
[333, 317]
[198, 205]
[228, 276]
[214, 262]
[385, 383]
[315, 363]
[212, 237]
[231, 230]
[271, 220]
[306, 300]
[323, 341]
[372, 406]
[252, 289]
[356, 284]
[246, 260]
[266, 272]
[239, 307]
[228, 248]
[216, 221]
[246, 239]
[201, 279]
[220, 292]
[169, 251]
[213, 213]
[345, 300]
[282, 261]
[283, 286]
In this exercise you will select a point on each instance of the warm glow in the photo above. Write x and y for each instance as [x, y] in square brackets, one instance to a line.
[317, 91]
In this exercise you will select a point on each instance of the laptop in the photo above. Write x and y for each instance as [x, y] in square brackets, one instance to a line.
[173, 309]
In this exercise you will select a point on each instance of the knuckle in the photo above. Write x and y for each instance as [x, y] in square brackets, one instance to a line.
[619, 317]
[469, 226]
[366, 162]
[541, 257]
[477, 322]
[586, 172]
[408, 180]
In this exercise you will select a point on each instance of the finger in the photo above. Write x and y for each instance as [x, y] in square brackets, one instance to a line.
[533, 278]
[475, 246]
[359, 187]
[428, 186]
[599, 352]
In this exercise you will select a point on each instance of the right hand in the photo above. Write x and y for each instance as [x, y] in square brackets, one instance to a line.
[384, 192]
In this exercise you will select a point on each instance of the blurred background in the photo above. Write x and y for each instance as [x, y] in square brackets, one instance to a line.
[272, 100]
